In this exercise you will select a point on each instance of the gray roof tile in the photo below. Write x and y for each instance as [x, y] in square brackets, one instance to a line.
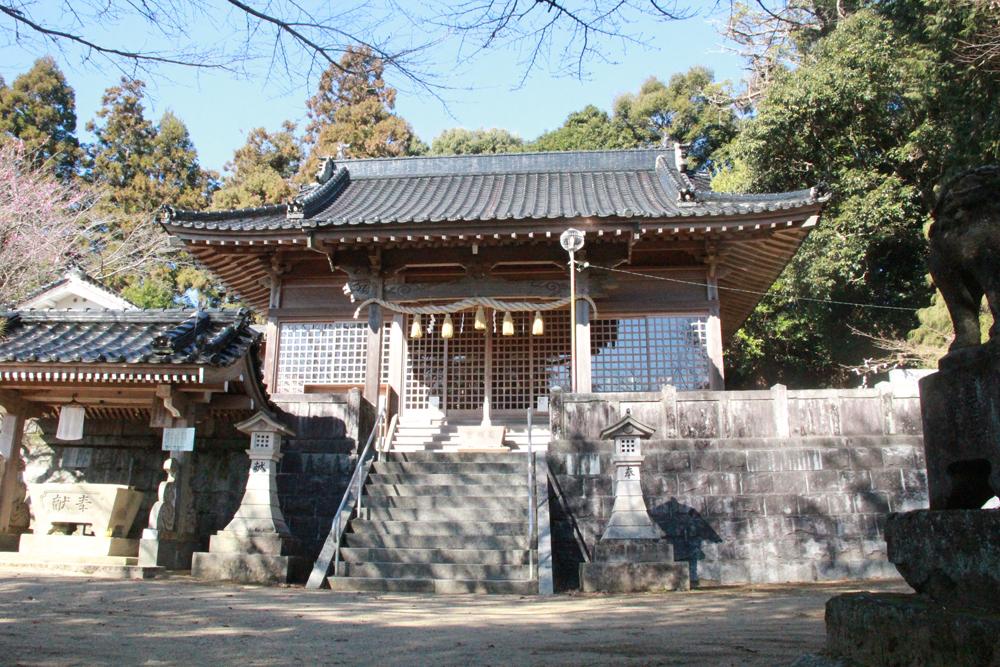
[480, 188]
[212, 338]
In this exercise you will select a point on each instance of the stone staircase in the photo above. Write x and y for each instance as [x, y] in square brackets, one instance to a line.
[445, 436]
[433, 522]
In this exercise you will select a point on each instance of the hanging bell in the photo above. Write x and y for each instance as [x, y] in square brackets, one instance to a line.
[508, 325]
[416, 329]
[538, 326]
[480, 319]
[447, 328]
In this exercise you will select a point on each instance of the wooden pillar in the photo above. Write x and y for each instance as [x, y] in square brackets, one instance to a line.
[488, 377]
[582, 325]
[713, 335]
[373, 363]
[397, 360]
[271, 335]
[11, 484]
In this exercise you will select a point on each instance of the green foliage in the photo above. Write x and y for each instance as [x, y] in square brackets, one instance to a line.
[459, 141]
[588, 129]
[691, 108]
[39, 108]
[261, 170]
[351, 113]
[879, 110]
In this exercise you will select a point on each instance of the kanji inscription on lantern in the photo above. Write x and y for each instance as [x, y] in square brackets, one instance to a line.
[69, 502]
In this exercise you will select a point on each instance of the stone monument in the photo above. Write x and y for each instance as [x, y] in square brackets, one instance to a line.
[950, 553]
[256, 546]
[632, 554]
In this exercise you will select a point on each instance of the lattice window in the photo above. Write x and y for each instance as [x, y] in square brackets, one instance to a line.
[512, 389]
[466, 354]
[550, 355]
[321, 353]
[386, 329]
[645, 353]
[424, 369]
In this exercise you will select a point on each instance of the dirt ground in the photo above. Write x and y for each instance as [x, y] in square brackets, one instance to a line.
[79, 621]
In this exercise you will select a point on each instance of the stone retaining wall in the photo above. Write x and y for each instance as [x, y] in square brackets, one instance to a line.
[123, 452]
[754, 486]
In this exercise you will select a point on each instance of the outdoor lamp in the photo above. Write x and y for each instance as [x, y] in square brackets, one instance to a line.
[447, 328]
[480, 319]
[538, 326]
[71, 418]
[508, 325]
[416, 330]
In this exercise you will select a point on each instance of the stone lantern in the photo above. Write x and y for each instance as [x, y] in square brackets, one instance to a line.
[629, 517]
[631, 555]
[256, 546]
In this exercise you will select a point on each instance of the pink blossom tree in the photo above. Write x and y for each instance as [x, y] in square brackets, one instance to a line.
[43, 222]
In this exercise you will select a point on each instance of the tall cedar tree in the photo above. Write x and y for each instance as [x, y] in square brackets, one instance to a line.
[260, 170]
[39, 108]
[353, 111]
[140, 166]
[882, 111]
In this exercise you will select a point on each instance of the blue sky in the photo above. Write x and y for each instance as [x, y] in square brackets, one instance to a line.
[220, 108]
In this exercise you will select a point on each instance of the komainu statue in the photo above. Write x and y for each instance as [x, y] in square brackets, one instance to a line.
[965, 251]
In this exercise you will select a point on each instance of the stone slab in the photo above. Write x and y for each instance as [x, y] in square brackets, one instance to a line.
[273, 544]
[481, 437]
[951, 555]
[634, 577]
[889, 629]
[106, 568]
[249, 568]
[70, 547]
[634, 551]
[9, 541]
[168, 554]
[961, 424]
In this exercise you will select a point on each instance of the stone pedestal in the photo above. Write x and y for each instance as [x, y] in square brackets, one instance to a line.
[949, 554]
[169, 541]
[256, 546]
[634, 566]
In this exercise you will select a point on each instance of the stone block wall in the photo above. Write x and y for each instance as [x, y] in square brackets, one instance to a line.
[758, 486]
[312, 475]
[318, 462]
[124, 452]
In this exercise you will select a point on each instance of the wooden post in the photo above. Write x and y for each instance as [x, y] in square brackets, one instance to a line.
[397, 356]
[713, 335]
[11, 485]
[488, 377]
[582, 338]
[373, 363]
[271, 335]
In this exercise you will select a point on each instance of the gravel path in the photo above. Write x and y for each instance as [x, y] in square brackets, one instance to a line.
[79, 621]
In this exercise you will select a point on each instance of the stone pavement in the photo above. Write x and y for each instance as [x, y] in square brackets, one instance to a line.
[69, 621]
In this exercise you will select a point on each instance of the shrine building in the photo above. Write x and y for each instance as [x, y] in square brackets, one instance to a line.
[440, 283]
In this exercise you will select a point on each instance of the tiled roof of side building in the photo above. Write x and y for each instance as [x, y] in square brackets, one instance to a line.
[216, 338]
[642, 183]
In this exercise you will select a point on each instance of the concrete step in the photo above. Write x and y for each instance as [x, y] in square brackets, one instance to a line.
[451, 479]
[438, 586]
[460, 513]
[471, 556]
[457, 457]
[443, 528]
[515, 467]
[375, 540]
[430, 502]
[435, 571]
[507, 491]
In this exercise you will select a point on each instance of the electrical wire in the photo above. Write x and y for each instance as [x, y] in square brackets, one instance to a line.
[588, 265]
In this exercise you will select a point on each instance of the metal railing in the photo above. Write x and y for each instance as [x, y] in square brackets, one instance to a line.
[351, 502]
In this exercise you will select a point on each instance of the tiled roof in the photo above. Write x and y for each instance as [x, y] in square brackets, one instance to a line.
[640, 183]
[211, 338]
[76, 275]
